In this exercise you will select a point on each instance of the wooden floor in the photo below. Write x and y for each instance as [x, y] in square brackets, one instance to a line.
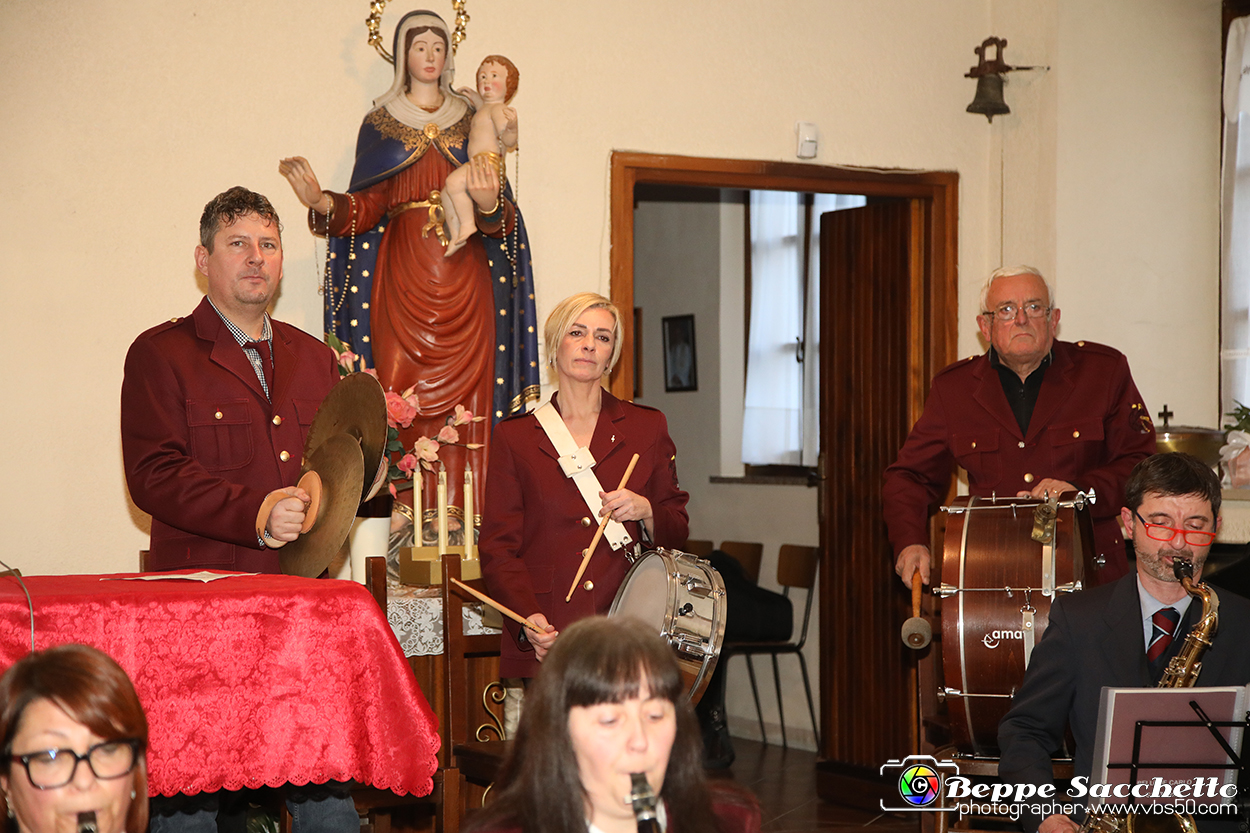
[784, 781]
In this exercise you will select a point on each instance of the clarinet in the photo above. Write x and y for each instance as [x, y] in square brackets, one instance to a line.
[643, 799]
[87, 822]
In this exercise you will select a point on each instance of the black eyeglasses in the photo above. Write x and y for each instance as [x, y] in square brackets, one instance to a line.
[1159, 532]
[52, 768]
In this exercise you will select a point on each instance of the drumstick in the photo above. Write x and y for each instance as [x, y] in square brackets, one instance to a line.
[917, 632]
[594, 542]
[506, 611]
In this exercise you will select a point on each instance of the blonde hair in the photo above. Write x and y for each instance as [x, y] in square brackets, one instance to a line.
[567, 311]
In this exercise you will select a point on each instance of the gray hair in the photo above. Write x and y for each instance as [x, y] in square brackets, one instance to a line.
[1009, 271]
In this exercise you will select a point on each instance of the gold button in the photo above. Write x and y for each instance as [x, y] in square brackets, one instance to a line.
[1080, 344]
[1022, 443]
[217, 415]
[974, 444]
[588, 585]
[1028, 478]
[1076, 433]
[585, 521]
[277, 420]
[431, 130]
[284, 456]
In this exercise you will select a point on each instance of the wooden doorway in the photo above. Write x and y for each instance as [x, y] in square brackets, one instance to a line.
[859, 592]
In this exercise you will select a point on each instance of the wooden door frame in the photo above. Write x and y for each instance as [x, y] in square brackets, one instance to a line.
[932, 309]
[933, 322]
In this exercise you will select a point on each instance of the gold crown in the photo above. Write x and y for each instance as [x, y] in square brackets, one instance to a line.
[374, 24]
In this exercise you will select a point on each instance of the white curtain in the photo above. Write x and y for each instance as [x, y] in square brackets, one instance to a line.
[781, 416]
[1235, 221]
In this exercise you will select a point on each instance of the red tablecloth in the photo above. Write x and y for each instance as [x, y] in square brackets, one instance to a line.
[248, 680]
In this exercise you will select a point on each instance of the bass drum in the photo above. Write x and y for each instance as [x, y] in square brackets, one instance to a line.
[997, 587]
[683, 597]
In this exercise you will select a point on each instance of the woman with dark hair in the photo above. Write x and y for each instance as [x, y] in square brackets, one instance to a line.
[609, 701]
[75, 742]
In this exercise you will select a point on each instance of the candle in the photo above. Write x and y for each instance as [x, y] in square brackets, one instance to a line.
[470, 552]
[417, 510]
[442, 509]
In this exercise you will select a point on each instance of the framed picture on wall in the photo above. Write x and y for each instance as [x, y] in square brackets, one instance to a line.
[680, 366]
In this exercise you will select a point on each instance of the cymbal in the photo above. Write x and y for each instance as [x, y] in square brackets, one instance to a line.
[340, 465]
[355, 406]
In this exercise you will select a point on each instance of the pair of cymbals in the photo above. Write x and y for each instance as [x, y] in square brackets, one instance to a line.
[346, 440]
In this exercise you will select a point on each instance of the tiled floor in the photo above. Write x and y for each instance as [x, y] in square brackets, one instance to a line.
[784, 781]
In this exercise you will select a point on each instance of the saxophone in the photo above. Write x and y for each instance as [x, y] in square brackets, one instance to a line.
[1182, 672]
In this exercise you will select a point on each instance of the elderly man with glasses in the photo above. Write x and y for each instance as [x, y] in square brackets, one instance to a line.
[1124, 634]
[1031, 416]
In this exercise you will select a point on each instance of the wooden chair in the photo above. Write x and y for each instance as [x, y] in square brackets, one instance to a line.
[747, 554]
[475, 759]
[796, 567]
[698, 547]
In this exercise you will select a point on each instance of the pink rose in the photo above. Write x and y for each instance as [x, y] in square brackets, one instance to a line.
[461, 417]
[347, 360]
[448, 434]
[400, 412]
[408, 464]
[426, 450]
[391, 487]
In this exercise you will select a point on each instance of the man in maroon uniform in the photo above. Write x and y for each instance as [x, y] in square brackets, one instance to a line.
[1031, 415]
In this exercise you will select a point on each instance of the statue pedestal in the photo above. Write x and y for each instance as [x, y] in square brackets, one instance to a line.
[421, 566]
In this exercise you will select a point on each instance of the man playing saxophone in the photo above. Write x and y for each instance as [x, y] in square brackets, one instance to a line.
[1123, 634]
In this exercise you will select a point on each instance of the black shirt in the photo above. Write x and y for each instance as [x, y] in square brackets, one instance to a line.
[1021, 394]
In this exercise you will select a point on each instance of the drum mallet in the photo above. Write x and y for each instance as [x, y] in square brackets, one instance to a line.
[594, 542]
[917, 633]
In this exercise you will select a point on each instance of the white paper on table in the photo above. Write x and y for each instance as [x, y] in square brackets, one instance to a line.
[202, 575]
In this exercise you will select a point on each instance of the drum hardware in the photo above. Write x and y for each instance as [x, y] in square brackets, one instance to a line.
[1026, 627]
[946, 590]
[1044, 520]
[946, 691]
[1080, 500]
[684, 598]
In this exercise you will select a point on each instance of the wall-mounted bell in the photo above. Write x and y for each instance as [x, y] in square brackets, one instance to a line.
[989, 74]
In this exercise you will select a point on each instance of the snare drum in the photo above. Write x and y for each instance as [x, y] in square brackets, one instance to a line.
[997, 587]
[683, 597]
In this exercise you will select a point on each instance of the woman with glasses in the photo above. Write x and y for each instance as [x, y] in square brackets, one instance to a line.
[75, 738]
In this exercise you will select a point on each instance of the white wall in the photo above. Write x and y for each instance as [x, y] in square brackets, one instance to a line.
[122, 119]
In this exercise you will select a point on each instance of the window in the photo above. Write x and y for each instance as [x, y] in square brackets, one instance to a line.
[781, 404]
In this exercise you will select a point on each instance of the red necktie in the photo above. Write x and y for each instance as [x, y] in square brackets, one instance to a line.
[1164, 622]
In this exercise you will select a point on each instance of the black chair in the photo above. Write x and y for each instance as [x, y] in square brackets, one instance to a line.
[796, 567]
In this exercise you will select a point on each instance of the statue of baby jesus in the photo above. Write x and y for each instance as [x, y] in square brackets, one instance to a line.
[492, 132]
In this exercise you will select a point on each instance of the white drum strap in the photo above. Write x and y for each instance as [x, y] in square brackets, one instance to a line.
[577, 463]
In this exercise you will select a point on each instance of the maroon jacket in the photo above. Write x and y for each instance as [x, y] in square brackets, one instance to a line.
[1089, 427]
[536, 524]
[202, 447]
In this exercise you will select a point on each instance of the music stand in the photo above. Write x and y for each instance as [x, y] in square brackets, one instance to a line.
[1174, 735]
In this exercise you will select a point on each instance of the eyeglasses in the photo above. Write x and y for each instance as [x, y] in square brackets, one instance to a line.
[1159, 532]
[1008, 312]
[52, 768]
